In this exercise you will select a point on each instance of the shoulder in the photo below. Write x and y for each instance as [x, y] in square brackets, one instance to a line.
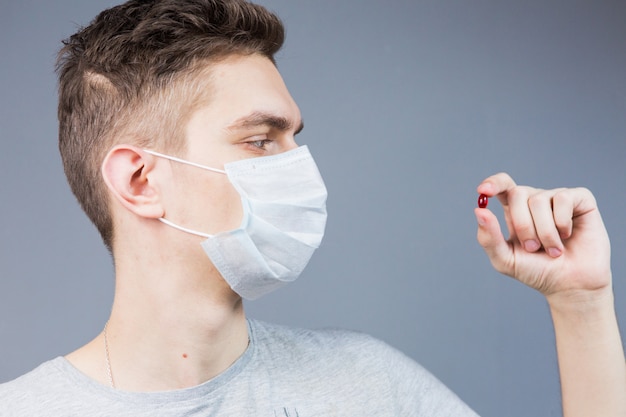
[333, 359]
[334, 351]
[29, 389]
[40, 374]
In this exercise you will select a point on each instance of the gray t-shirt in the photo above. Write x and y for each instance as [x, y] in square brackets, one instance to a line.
[285, 372]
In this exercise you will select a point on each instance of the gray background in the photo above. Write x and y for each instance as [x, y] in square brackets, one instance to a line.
[407, 105]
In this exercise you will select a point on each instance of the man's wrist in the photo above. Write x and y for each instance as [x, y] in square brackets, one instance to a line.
[581, 301]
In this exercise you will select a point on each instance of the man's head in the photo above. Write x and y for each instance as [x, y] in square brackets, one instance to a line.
[138, 72]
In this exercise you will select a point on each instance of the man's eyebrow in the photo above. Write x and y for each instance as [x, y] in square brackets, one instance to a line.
[265, 119]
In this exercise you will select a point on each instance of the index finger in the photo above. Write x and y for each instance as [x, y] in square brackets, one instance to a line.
[497, 185]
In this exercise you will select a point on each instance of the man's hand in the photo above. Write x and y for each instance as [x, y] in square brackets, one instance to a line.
[557, 242]
[559, 246]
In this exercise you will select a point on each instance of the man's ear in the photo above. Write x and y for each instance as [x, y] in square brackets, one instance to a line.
[128, 173]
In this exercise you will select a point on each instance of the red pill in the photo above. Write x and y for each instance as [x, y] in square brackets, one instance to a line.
[483, 201]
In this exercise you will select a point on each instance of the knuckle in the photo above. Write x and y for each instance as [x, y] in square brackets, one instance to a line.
[504, 176]
[562, 197]
[503, 179]
[587, 194]
[536, 200]
[518, 193]
[540, 200]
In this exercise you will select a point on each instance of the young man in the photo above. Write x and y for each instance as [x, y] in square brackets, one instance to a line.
[178, 138]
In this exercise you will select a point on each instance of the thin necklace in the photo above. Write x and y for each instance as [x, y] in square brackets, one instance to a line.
[107, 357]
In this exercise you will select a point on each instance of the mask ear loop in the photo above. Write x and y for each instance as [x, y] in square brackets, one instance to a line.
[184, 229]
[183, 161]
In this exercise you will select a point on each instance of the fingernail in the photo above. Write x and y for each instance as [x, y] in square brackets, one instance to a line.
[531, 245]
[555, 252]
[480, 220]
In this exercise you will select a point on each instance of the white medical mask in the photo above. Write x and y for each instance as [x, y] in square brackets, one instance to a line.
[284, 215]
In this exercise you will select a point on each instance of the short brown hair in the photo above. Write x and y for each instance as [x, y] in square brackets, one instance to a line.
[134, 72]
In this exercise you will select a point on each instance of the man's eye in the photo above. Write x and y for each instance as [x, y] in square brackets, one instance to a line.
[261, 144]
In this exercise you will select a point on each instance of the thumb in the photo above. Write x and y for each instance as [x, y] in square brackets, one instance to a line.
[490, 237]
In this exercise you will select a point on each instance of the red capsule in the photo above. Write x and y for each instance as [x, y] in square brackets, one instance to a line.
[483, 201]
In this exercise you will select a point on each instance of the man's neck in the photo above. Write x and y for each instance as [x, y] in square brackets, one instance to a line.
[165, 337]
